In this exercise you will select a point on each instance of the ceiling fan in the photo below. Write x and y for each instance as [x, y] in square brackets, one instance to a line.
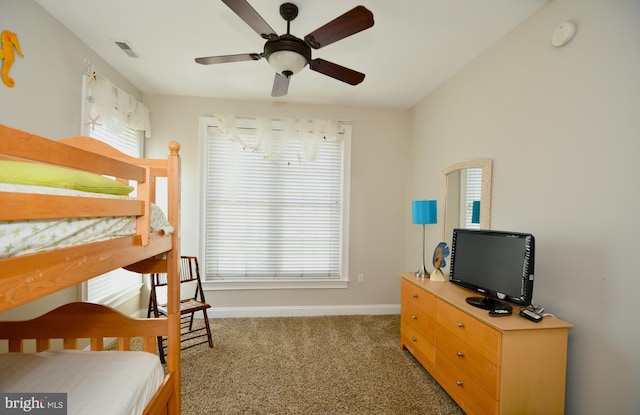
[288, 54]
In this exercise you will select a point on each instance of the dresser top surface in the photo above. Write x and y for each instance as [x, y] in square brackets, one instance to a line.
[456, 296]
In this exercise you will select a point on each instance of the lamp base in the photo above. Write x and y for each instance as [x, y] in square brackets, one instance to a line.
[422, 272]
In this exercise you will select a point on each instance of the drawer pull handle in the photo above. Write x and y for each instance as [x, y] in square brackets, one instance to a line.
[460, 354]
[459, 382]
[413, 339]
[460, 324]
[415, 295]
[414, 317]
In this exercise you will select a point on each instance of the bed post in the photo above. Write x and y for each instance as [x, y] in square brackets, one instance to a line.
[173, 293]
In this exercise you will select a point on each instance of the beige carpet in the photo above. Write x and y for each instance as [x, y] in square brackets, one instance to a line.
[312, 365]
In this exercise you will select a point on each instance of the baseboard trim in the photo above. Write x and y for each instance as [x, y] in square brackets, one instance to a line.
[303, 311]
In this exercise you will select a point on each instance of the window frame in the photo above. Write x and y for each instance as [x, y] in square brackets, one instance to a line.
[273, 283]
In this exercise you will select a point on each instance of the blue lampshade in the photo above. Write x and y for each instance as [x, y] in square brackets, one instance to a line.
[475, 212]
[424, 212]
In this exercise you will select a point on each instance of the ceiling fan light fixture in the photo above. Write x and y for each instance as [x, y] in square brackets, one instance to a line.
[287, 54]
[287, 62]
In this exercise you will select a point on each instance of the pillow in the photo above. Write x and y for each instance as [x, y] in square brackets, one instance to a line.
[18, 172]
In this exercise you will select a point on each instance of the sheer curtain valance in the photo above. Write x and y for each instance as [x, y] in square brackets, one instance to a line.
[112, 107]
[270, 136]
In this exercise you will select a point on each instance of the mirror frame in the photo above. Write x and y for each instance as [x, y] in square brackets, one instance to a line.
[485, 200]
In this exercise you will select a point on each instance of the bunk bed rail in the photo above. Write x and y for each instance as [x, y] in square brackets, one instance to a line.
[75, 321]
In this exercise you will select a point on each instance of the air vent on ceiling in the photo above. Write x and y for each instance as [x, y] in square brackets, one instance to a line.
[126, 48]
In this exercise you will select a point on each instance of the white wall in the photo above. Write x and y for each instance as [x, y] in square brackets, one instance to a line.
[563, 129]
[377, 219]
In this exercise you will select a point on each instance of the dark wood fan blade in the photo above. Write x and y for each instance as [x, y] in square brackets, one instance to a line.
[209, 60]
[251, 17]
[336, 71]
[280, 85]
[355, 20]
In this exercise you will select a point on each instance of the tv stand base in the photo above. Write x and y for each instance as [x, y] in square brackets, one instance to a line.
[486, 303]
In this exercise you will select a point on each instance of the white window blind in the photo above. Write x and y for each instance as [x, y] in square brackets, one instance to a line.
[274, 220]
[472, 192]
[127, 140]
[119, 285]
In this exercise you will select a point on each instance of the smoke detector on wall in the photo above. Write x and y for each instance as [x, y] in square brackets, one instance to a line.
[563, 34]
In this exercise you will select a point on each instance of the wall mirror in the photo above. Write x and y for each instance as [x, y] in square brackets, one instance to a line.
[465, 197]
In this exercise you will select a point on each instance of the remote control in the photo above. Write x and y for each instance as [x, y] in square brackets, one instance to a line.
[528, 314]
[499, 312]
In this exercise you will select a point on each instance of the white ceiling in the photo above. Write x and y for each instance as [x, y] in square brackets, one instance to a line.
[413, 47]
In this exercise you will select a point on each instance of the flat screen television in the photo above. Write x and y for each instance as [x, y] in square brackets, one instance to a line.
[498, 265]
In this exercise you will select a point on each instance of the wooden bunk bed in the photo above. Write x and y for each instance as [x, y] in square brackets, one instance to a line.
[24, 278]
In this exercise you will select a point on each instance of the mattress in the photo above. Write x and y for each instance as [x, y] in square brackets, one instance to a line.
[31, 236]
[96, 383]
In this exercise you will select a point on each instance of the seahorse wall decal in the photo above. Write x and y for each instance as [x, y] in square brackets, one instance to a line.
[8, 56]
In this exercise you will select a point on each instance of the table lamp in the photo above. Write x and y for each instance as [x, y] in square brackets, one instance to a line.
[424, 212]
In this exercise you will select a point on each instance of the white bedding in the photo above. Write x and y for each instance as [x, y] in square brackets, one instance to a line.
[96, 383]
[26, 237]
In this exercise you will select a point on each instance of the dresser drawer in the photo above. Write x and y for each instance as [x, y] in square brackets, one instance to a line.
[417, 343]
[477, 334]
[414, 295]
[470, 361]
[463, 388]
[413, 316]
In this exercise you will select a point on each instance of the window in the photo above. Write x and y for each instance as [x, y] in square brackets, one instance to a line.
[117, 286]
[274, 203]
[471, 192]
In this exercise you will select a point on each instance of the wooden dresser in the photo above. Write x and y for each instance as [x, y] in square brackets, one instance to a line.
[488, 365]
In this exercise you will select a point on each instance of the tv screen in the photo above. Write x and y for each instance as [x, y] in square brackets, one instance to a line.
[497, 264]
